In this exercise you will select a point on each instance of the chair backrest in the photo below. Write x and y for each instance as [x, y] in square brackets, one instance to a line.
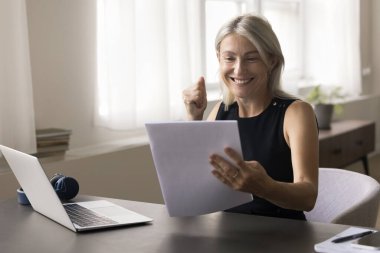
[346, 197]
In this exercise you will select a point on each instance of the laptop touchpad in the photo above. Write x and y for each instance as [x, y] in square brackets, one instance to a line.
[110, 211]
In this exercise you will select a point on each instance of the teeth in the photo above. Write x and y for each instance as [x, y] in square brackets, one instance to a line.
[241, 81]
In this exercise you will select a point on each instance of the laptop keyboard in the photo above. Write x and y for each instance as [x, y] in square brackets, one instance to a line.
[85, 217]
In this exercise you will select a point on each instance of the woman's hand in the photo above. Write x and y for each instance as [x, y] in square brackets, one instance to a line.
[240, 175]
[195, 99]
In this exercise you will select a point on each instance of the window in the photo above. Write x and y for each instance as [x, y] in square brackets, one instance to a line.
[147, 53]
[286, 20]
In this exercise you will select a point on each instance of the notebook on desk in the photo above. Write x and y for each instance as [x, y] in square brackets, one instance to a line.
[80, 216]
[181, 153]
[343, 247]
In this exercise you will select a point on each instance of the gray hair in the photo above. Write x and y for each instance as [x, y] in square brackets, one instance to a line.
[259, 32]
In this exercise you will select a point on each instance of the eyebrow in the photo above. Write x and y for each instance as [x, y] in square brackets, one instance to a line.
[247, 53]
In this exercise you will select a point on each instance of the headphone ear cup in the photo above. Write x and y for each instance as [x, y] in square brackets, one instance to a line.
[55, 178]
[65, 187]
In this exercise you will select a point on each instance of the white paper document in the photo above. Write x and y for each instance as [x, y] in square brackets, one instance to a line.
[181, 153]
[342, 247]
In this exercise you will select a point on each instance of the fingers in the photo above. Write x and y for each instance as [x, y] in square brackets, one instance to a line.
[196, 94]
[236, 157]
[201, 84]
[223, 167]
[246, 176]
[222, 177]
[227, 172]
[195, 99]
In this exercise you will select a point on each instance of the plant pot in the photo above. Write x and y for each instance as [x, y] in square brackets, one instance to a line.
[324, 113]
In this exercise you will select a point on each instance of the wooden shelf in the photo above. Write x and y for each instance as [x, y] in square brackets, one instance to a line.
[346, 142]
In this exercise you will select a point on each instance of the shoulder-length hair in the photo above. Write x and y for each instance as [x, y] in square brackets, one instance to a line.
[259, 32]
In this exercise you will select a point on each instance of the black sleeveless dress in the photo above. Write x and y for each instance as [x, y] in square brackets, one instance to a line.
[262, 139]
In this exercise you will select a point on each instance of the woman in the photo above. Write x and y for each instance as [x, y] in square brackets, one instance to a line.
[278, 133]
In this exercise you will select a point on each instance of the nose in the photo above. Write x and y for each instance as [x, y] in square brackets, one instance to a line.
[239, 67]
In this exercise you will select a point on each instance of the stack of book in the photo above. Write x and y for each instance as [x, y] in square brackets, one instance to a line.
[52, 141]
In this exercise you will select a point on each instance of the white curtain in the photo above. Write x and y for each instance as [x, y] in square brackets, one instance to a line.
[333, 43]
[17, 127]
[147, 53]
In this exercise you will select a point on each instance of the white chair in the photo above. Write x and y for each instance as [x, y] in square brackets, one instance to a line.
[346, 197]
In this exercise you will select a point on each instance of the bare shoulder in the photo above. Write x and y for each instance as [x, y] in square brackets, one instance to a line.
[300, 107]
[300, 114]
[300, 123]
[214, 111]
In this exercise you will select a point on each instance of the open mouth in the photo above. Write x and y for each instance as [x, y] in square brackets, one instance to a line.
[241, 81]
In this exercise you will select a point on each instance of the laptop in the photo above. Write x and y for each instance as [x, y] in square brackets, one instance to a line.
[76, 216]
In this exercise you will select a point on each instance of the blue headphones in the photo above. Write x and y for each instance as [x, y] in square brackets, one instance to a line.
[65, 187]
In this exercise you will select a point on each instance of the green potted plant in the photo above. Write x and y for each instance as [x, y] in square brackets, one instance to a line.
[325, 104]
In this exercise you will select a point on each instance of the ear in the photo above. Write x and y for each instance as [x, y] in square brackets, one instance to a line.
[273, 63]
[218, 55]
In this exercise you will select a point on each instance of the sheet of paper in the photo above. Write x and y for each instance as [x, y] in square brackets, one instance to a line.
[181, 153]
[343, 247]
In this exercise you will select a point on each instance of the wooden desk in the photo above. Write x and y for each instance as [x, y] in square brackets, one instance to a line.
[23, 230]
[346, 142]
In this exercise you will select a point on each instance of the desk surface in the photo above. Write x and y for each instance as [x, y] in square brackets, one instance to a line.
[23, 230]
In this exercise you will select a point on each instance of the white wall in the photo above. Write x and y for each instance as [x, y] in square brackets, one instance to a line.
[375, 46]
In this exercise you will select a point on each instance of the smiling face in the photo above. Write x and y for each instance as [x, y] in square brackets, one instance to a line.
[242, 68]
